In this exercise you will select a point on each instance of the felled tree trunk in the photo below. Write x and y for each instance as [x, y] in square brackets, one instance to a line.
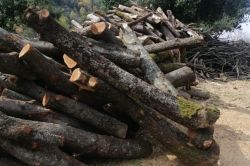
[119, 55]
[60, 103]
[172, 44]
[86, 114]
[27, 110]
[10, 94]
[48, 155]
[10, 64]
[185, 112]
[188, 155]
[14, 42]
[10, 161]
[152, 72]
[78, 141]
[181, 77]
[99, 31]
[169, 67]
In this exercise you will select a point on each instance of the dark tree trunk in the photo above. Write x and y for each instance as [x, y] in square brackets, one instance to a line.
[78, 141]
[10, 64]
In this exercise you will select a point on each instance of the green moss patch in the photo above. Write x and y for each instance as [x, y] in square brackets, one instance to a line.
[188, 108]
[213, 113]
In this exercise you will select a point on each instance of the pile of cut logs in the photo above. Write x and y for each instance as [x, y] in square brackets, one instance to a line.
[109, 89]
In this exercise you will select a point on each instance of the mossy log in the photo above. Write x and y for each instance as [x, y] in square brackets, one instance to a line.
[76, 140]
[182, 111]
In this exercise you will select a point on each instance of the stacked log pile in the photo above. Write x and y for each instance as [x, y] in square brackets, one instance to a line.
[106, 90]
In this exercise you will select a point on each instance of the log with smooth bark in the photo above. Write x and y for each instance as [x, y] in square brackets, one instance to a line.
[86, 114]
[198, 93]
[13, 42]
[169, 67]
[79, 141]
[10, 64]
[152, 72]
[172, 44]
[189, 114]
[47, 155]
[28, 110]
[181, 77]
[10, 94]
[43, 46]
[20, 108]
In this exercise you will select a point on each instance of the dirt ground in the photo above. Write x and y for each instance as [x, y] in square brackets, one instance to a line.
[232, 130]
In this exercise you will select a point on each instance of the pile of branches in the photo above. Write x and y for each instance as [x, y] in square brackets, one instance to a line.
[215, 57]
[92, 93]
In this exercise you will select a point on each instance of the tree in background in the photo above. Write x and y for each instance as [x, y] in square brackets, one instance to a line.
[213, 13]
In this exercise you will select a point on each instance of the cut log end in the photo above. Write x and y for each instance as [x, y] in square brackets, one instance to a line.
[69, 62]
[98, 28]
[93, 82]
[44, 13]
[45, 100]
[25, 50]
[77, 76]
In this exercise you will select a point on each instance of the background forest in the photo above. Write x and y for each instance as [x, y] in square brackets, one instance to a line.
[211, 15]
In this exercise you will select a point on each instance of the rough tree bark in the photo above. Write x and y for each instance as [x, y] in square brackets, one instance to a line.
[78, 141]
[185, 112]
[63, 104]
[27, 110]
[14, 42]
[10, 64]
[48, 155]
[152, 72]
[144, 119]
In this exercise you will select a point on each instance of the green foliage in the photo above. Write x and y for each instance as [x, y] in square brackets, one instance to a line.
[211, 14]
[11, 12]
[106, 4]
